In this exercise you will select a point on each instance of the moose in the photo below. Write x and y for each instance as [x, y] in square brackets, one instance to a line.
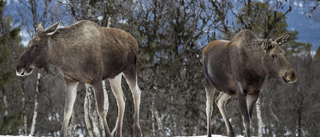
[86, 52]
[239, 67]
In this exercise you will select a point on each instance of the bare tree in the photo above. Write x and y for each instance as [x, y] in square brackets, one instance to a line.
[95, 11]
[313, 11]
[171, 35]
[34, 17]
[36, 106]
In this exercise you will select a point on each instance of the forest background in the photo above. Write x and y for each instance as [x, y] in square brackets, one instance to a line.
[171, 35]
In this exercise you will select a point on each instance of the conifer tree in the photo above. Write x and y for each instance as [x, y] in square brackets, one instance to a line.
[10, 47]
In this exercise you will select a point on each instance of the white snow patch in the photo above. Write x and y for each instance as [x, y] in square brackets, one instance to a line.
[61, 26]
[100, 18]
[206, 136]
[123, 21]
[13, 136]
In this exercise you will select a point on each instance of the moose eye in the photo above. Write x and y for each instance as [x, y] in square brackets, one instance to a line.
[274, 56]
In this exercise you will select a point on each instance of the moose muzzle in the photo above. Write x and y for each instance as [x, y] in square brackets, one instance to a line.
[289, 76]
[24, 70]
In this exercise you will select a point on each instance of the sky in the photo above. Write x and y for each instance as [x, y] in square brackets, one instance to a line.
[308, 28]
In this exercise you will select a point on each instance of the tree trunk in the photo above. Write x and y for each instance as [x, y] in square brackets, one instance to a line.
[5, 103]
[94, 123]
[72, 126]
[105, 104]
[92, 113]
[109, 22]
[259, 117]
[153, 126]
[249, 15]
[160, 125]
[106, 97]
[24, 115]
[86, 113]
[152, 116]
[36, 106]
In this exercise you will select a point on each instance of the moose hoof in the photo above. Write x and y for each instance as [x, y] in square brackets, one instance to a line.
[116, 133]
[231, 134]
[137, 131]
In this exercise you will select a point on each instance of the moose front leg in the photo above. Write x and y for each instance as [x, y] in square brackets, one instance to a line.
[70, 97]
[243, 109]
[251, 100]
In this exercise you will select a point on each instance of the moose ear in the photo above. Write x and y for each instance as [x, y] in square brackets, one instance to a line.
[284, 39]
[52, 28]
[266, 44]
[39, 27]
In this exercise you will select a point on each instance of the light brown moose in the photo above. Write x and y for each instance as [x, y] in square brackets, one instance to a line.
[86, 52]
[239, 67]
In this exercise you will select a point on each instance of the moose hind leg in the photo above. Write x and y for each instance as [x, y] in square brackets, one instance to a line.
[115, 84]
[221, 102]
[70, 97]
[99, 95]
[210, 90]
[131, 78]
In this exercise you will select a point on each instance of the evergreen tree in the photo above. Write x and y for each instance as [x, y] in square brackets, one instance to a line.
[9, 50]
[267, 22]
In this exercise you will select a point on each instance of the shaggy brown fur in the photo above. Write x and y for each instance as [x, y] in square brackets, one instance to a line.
[239, 67]
[86, 52]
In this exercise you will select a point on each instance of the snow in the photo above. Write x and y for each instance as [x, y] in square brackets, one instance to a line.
[206, 136]
[175, 136]
[13, 136]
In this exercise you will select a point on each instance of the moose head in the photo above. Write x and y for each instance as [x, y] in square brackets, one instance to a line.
[274, 61]
[36, 53]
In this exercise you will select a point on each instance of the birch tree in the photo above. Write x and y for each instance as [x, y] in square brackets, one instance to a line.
[31, 8]
[97, 11]
[36, 106]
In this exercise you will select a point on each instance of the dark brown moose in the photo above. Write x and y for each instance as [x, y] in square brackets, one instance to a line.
[86, 52]
[239, 67]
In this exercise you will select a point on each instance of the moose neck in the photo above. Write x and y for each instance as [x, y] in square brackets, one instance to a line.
[255, 62]
[59, 51]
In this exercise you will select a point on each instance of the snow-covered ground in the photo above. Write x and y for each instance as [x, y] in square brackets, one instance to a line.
[175, 136]
[13, 136]
[206, 136]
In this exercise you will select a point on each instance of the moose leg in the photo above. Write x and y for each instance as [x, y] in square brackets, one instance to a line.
[131, 78]
[210, 90]
[251, 100]
[243, 109]
[99, 95]
[70, 97]
[221, 102]
[120, 98]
